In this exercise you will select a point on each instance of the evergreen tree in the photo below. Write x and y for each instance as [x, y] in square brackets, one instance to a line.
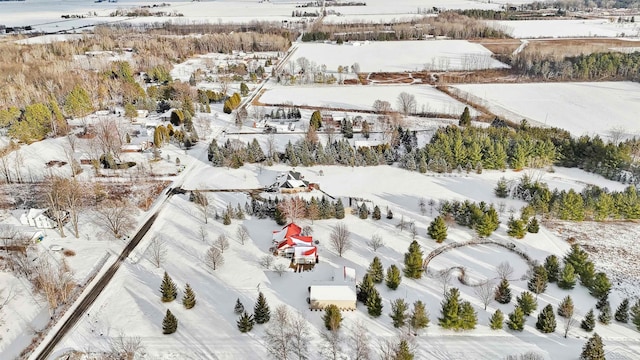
[622, 312]
[332, 317]
[363, 211]
[365, 288]
[78, 102]
[602, 302]
[465, 118]
[419, 316]
[244, 89]
[226, 218]
[168, 289]
[261, 312]
[593, 349]
[398, 313]
[546, 320]
[239, 308]
[552, 265]
[527, 303]
[516, 228]
[245, 322]
[538, 281]
[374, 303]
[468, 316]
[501, 189]
[496, 320]
[376, 213]
[393, 278]
[376, 271]
[588, 274]
[413, 261]
[567, 278]
[169, 323]
[571, 206]
[533, 227]
[503, 292]
[589, 321]
[577, 258]
[565, 308]
[339, 209]
[389, 214]
[635, 314]
[278, 216]
[450, 312]
[516, 319]
[316, 120]
[605, 314]
[403, 352]
[487, 223]
[189, 297]
[438, 229]
[600, 286]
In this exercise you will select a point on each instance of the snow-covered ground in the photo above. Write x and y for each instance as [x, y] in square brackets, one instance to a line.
[359, 97]
[581, 108]
[566, 28]
[371, 18]
[416, 55]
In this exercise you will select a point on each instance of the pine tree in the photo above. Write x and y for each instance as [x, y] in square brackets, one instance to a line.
[602, 302]
[496, 320]
[501, 189]
[389, 214]
[403, 352]
[365, 288]
[332, 317]
[516, 228]
[533, 227]
[593, 349]
[468, 316]
[261, 312]
[393, 278]
[552, 265]
[635, 314]
[622, 312]
[226, 218]
[419, 316]
[413, 261]
[376, 213]
[239, 308]
[398, 314]
[363, 211]
[600, 286]
[438, 229]
[565, 308]
[567, 278]
[316, 120]
[527, 303]
[374, 303]
[605, 314]
[503, 292]
[339, 209]
[450, 311]
[189, 297]
[168, 289]
[465, 118]
[577, 258]
[546, 320]
[169, 323]
[245, 322]
[278, 216]
[588, 274]
[376, 271]
[538, 282]
[516, 319]
[589, 321]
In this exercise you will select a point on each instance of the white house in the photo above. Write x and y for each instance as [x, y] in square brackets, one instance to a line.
[37, 218]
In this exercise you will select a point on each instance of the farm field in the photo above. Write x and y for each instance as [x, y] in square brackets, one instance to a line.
[571, 106]
[416, 55]
[362, 97]
[566, 28]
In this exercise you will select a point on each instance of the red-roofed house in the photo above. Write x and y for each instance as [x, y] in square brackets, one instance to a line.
[289, 242]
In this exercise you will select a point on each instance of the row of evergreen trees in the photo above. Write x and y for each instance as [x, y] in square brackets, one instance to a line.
[261, 314]
[169, 292]
[481, 217]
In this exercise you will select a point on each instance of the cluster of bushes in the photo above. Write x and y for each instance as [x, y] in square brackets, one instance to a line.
[210, 96]
[481, 217]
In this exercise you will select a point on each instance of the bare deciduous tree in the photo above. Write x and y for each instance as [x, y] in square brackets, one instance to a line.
[266, 261]
[214, 258]
[340, 238]
[407, 103]
[125, 347]
[8, 236]
[54, 282]
[300, 333]
[202, 233]
[158, 251]
[376, 242]
[280, 268]
[74, 200]
[222, 242]
[242, 233]
[201, 200]
[359, 341]
[55, 189]
[293, 208]
[504, 270]
[110, 136]
[277, 335]
[444, 277]
[485, 292]
[115, 215]
[381, 107]
[568, 321]
[331, 344]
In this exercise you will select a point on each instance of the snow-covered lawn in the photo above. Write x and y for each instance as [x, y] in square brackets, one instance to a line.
[398, 56]
[566, 28]
[356, 97]
[581, 108]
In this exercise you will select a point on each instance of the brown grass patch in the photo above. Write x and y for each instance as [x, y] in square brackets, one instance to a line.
[69, 252]
[499, 46]
[574, 47]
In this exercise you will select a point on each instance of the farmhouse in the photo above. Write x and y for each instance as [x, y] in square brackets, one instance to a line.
[289, 242]
[293, 182]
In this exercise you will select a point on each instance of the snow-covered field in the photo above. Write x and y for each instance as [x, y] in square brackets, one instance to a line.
[416, 55]
[359, 97]
[566, 28]
[581, 108]
[371, 18]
